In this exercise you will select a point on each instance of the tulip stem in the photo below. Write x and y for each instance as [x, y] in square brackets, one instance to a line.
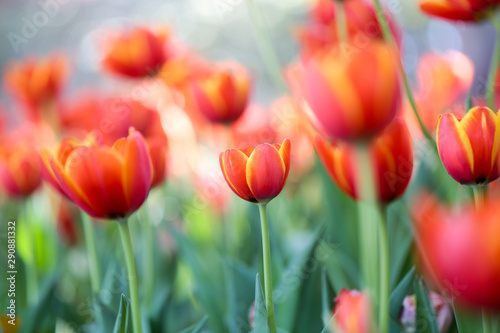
[31, 267]
[479, 195]
[495, 58]
[132, 274]
[384, 271]
[390, 39]
[268, 281]
[341, 21]
[88, 232]
[486, 322]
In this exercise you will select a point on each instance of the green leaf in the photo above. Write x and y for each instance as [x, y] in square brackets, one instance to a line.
[399, 293]
[466, 320]
[104, 316]
[326, 311]
[260, 321]
[196, 328]
[121, 323]
[426, 318]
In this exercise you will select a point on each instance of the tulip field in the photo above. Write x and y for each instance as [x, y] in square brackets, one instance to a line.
[250, 166]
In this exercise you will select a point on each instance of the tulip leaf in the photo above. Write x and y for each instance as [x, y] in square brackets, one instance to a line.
[425, 316]
[466, 320]
[399, 293]
[122, 319]
[197, 327]
[260, 319]
[326, 311]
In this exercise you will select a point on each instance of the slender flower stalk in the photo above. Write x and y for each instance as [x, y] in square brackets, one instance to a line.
[384, 271]
[132, 274]
[31, 267]
[88, 232]
[148, 252]
[268, 281]
[495, 59]
[390, 39]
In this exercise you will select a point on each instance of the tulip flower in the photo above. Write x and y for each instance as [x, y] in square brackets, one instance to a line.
[137, 53]
[105, 182]
[347, 104]
[20, 169]
[458, 250]
[66, 223]
[352, 313]
[391, 155]
[36, 83]
[468, 147]
[257, 174]
[442, 310]
[222, 95]
[465, 10]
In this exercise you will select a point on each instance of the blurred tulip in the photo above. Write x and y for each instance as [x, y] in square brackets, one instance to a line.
[252, 128]
[444, 80]
[67, 223]
[257, 174]
[20, 169]
[37, 83]
[222, 95]
[458, 250]
[352, 313]
[468, 147]
[361, 24]
[136, 53]
[105, 182]
[346, 103]
[392, 158]
[464, 10]
[442, 310]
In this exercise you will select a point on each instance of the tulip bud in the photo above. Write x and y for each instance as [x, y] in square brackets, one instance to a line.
[222, 95]
[392, 160]
[105, 182]
[257, 174]
[354, 93]
[353, 312]
[468, 147]
[20, 169]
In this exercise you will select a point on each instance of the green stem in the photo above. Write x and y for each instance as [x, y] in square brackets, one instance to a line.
[479, 195]
[390, 39]
[495, 58]
[341, 21]
[148, 241]
[132, 275]
[265, 45]
[384, 271]
[31, 267]
[88, 232]
[486, 322]
[268, 281]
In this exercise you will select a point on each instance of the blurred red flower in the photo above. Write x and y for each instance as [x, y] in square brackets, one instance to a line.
[458, 250]
[463, 10]
[468, 147]
[353, 312]
[347, 104]
[257, 174]
[391, 155]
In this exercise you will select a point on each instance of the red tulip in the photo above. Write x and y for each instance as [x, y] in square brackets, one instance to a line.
[137, 53]
[463, 10]
[391, 156]
[347, 104]
[222, 95]
[67, 223]
[105, 182]
[468, 147]
[20, 169]
[459, 250]
[353, 312]
[36, 83]
[257, 174]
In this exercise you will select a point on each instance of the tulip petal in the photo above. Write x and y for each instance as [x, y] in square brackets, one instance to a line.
[265, 172]
[233, 163]
[455, 149]
[445, 10]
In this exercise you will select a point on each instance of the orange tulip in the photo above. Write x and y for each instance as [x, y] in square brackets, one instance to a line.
[347, 104]
[136, 53]
[458, 250]
[468, 147]
[36, 83]
[361, 25]
[105, 182]
[352, 313]
[20, 169]
[463, 10]
[257, 174]
[222, 95]
[391, 155]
